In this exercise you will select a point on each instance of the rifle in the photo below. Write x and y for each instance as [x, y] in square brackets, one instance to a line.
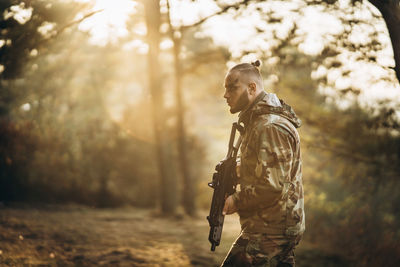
[224, 183]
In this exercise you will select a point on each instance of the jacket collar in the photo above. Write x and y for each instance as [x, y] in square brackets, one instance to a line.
[268, 103]
[245, 115]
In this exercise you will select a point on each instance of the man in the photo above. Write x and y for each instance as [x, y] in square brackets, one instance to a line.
[270, 201]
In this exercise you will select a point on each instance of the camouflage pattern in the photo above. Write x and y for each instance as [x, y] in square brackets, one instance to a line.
[270, 200]
[257, 249]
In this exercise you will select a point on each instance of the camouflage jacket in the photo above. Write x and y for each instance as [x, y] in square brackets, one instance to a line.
[270, 199]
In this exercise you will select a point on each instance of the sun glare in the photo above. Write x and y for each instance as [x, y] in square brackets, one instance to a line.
[315, 26]
[110, 23]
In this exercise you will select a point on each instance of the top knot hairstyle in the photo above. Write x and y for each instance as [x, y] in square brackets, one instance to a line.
[247, 66]
[249, 70]
[256, 63]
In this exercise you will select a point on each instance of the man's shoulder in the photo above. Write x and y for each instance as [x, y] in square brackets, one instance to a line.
[274, 123]
[270, 121]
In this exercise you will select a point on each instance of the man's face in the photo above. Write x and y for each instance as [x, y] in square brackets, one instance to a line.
[236, 93]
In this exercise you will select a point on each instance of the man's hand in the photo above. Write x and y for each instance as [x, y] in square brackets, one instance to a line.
[229, 207]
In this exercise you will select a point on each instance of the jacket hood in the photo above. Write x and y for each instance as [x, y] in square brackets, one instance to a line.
[269, 103]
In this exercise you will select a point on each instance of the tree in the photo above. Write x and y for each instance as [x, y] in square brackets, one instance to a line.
[167, 183]
[176, 34]
[58, 140]
[390, 10]
[24, 33]
[189, 185]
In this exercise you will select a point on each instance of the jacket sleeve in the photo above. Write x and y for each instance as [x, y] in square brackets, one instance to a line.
[274, 157]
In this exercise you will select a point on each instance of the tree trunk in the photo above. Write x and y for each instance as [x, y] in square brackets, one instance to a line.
[189, 186]
[168, 187]
[390, 10]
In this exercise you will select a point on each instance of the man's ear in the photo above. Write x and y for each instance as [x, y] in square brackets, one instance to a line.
[252, 88]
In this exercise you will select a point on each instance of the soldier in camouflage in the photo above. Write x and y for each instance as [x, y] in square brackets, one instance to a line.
[270, 201]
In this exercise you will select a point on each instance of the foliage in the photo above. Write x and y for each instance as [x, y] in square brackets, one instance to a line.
[351, 165]
[63, 139]
[76, 122]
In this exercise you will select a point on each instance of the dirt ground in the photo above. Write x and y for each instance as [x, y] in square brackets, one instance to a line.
[83, 236]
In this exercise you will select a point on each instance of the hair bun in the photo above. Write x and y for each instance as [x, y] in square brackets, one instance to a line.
[256, 63]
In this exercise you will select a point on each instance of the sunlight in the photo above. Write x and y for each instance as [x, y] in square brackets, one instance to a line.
[109, 24]
[19, 12]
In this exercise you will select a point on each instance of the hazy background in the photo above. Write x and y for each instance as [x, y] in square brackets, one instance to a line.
[114, 103]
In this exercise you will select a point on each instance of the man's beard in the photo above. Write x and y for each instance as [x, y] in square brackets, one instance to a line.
[242, 103]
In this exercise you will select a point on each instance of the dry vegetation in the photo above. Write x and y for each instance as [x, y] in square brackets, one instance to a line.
[82, 236]
[77, 126]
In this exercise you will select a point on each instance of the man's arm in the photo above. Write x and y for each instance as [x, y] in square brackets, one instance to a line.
[274, 159]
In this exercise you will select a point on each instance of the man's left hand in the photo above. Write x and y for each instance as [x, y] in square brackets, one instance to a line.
[229, 207]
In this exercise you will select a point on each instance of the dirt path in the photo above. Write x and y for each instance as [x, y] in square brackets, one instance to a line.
[81, 236]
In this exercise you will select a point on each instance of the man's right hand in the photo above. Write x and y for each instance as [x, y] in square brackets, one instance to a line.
[229, 207]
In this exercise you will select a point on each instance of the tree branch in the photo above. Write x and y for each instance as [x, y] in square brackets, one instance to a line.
[351, 155]
[223, 10]
[390, 11]
[68, 25]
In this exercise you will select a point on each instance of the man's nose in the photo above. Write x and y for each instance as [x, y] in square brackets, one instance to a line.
[226, 95]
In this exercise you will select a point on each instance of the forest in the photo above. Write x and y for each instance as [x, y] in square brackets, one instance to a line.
[112, 119]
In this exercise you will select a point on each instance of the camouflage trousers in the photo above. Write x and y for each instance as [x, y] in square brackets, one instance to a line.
[264, 250]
